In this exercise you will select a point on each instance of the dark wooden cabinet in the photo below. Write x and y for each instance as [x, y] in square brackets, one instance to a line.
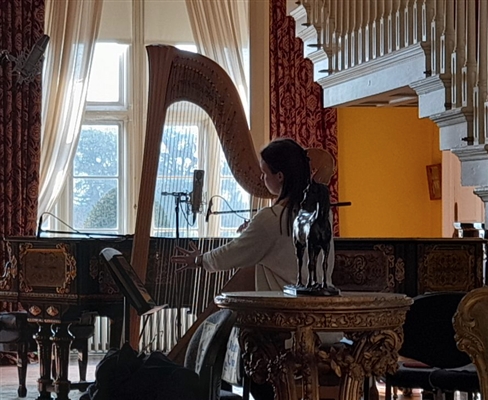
[57, 279]
[410, 266]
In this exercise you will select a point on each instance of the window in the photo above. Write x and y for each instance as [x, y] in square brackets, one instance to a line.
[108, 80]
[233, 198]
[96, 178]
[190, 143]
[96, 197]
[93, 200]
[177, 161]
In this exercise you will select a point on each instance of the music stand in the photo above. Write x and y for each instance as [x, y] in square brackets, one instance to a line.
[135, 293]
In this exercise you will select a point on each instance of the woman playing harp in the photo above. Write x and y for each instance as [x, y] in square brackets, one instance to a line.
[267, 242]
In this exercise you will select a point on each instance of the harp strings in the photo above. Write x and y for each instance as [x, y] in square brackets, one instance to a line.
[186, 293]
[189, 292]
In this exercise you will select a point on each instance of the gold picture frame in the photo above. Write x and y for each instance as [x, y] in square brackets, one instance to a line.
[434, 179]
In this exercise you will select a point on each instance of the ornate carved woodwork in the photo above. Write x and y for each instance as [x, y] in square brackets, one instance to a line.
[410, 266]
[57, 280]
[471, 326]
[442, 266]
[54, 277]
[372, 321]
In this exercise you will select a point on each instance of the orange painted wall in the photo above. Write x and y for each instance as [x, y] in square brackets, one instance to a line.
[383, 154]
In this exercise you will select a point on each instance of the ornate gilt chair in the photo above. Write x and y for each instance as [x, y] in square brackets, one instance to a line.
[471, 326]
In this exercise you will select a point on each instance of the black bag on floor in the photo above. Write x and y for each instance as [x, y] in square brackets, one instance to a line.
[125, 375]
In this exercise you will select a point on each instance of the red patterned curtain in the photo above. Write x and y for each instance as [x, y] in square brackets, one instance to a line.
[21, 24]
[296, 100]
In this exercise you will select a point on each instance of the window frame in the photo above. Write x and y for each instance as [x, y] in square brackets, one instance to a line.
[130, 156]
[105, 113]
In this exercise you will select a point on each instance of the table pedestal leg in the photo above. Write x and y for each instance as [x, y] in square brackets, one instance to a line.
[375, 353]
[44, 348]
[266, 359]
[305, 350]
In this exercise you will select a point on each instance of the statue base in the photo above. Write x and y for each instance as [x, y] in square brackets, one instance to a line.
[317, 290]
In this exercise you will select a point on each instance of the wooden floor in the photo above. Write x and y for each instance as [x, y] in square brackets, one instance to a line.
[9, 381]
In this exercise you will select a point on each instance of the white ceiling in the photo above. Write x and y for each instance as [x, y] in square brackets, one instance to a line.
[401, 97]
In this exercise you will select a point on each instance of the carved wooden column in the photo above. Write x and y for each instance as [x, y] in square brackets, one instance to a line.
[44, 346]
[62, 341]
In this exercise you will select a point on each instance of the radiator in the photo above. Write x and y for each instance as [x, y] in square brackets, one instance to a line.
[99, 343]
[161, 330]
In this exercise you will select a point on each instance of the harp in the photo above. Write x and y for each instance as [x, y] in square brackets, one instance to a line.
[176, 75]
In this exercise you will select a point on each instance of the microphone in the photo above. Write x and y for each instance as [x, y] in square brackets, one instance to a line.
[39, 225]
[27, 66]
[209, 210]
[197, 192]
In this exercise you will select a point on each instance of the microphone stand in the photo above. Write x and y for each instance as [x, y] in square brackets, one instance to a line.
[233, 211]
[180, 197]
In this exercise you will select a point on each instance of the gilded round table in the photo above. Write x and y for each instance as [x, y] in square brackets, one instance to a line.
[371, 321]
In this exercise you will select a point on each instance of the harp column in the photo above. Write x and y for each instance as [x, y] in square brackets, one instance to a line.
[138, 76]
[259, 76]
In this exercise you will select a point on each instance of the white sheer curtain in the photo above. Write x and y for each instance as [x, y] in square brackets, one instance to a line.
[73, 28]
[221, 32]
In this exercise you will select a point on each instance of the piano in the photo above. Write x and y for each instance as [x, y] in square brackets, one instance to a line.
[57, 281]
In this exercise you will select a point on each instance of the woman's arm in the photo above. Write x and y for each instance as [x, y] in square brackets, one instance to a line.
[243, 251]
[250, 248]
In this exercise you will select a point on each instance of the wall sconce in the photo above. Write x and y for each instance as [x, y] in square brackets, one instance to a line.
[27, 64]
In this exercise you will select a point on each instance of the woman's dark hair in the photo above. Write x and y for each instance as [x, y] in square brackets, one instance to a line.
[289, 158]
